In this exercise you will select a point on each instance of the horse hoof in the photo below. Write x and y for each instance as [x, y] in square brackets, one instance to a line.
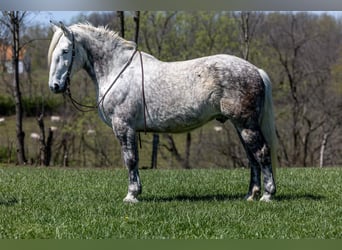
[250, 198]
[266, 198]
[254, 194]
[130, 199]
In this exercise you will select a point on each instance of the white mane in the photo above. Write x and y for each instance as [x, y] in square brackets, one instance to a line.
[84, 29]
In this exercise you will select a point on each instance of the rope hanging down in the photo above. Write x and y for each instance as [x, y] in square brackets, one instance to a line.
[87, 108]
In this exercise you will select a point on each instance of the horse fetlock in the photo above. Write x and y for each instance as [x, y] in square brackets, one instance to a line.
[135, 189]
[270, 187]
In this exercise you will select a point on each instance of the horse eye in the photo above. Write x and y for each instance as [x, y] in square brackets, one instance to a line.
[65, 51]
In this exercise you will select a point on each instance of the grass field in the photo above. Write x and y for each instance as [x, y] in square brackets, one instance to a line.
[182, 204]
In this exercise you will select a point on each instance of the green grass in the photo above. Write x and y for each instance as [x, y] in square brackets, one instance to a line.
[87, 203]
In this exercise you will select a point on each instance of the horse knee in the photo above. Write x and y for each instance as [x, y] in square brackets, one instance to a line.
[130, 159]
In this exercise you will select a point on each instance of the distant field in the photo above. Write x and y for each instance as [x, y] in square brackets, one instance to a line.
[59, 203]
[102, 149]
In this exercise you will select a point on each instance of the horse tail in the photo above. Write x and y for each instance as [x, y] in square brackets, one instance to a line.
[267, 120]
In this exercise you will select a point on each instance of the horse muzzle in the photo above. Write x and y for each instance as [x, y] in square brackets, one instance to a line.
[57, 88]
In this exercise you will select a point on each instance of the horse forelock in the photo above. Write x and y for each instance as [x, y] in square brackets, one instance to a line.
[55, 38]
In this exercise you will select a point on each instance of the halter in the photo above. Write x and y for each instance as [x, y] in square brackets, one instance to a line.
[79, 106]
[67, 80]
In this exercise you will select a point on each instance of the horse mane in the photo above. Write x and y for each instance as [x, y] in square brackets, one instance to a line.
[55, 39]
[86, 28]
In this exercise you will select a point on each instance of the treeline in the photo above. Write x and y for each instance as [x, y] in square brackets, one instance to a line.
[301, 52]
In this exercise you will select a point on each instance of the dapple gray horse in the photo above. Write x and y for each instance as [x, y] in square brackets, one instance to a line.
[137, 92]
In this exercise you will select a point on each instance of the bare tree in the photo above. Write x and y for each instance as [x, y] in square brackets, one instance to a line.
[45, 143]
[306, 50]
[121, 16]
[248, 23]
[13, 20]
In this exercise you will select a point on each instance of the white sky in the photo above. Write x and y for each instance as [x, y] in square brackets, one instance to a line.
[44, 17]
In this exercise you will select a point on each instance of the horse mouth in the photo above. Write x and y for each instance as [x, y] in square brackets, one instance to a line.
[57, 88]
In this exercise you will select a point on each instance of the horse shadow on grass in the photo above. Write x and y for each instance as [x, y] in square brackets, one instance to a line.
[228, 197]
[296, 197]
[193, 198]
[8, 202]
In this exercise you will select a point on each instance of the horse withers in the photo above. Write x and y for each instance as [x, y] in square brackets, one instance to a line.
[137, 92]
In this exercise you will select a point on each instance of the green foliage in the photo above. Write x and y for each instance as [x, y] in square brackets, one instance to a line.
[300, 51]
[6, 106]
[33, 106]
[175, 204]
[6, 154]
[36, 105]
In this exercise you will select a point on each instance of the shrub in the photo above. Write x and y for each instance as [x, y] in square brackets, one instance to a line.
[32, 106]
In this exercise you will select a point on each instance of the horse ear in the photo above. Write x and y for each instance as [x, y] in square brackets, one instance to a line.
[55, 25]
[61, 25]
[65, 30]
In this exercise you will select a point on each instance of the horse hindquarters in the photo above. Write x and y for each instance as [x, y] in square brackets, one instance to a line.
[252, 116]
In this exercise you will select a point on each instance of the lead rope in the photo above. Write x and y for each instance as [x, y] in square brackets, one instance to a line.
[143, 97]
[143, 90]
[80, 107]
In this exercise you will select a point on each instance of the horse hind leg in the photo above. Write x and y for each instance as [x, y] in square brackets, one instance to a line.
[255, 176]
[258, 152]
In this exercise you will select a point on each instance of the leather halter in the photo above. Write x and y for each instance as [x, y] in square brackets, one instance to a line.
[67, 80]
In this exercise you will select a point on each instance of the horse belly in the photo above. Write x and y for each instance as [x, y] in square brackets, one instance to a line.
[181, 115]
[178, 123]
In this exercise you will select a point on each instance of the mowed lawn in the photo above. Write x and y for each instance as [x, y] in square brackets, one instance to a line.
[60, 203]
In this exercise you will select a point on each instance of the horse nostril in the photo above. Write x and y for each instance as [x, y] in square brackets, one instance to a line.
[56, 87]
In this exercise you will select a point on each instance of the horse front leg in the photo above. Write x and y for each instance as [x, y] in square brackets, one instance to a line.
[129, 148]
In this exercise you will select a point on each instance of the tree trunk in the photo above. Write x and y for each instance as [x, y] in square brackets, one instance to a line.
[45, 146]
[155, 144]
[65, 152]
[323, 144]
[137, 26]
[172, 148]
[121, 16]
[186, 163]
[245, 39]
[16, 87]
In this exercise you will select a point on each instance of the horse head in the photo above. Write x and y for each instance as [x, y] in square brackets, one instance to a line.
[61, 57]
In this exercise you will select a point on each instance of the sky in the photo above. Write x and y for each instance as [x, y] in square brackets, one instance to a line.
[44, 17]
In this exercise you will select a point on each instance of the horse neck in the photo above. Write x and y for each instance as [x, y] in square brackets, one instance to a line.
[105, 58]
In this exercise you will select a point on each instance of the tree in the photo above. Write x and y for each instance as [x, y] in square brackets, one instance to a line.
[45, 143]
[248, 23]
[121, 16]
[161, 22]
[305, 49]
[13, 20]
